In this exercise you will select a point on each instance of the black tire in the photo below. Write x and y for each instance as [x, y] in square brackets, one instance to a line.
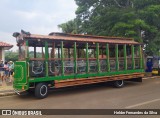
[118, 83]
[30, 91]
[41, 90]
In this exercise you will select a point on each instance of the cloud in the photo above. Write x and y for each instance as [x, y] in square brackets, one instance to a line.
[7, 37]
[27, 15]
[35, 16]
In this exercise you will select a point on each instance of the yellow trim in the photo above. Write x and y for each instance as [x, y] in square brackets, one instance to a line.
[155, 72]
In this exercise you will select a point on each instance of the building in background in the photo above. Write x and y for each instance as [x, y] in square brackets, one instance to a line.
[4, 46]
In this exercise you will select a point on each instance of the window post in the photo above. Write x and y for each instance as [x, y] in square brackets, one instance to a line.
[62, 58]
[58, 53]
[53, 50]
[35, 56]
[69, 55]
[140, 55]
[107, 57]
[133, 62]
[117, 61]
[75, 58]
[125, 57]
[27, 51]
[97, 56]
[46, 57]
[87, 61]
[27, 56]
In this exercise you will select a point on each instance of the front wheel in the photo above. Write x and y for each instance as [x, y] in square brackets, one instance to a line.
[41, 90]
[119, 83]
[30, 91]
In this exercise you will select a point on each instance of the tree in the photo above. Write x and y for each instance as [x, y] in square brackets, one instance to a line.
[72, 26]
[11, 56]
[138, 19]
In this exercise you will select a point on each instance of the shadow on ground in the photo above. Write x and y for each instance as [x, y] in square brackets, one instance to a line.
[79, 89]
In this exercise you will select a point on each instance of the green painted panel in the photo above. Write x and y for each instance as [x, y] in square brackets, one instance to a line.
[20, 76]
[27, 51]
[85, 75]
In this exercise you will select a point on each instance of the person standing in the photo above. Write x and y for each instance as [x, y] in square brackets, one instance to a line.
[149, 65]
[1, 70]
[11, 70]
[6, 71]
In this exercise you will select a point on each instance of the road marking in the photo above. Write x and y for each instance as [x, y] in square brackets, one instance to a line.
[143, 103]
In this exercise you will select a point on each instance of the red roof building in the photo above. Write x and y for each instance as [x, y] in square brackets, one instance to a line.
[4, 46]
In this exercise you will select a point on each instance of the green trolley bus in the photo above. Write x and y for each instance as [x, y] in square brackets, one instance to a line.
[62, 60]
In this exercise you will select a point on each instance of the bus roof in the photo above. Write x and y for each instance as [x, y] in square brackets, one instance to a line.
[79, 38]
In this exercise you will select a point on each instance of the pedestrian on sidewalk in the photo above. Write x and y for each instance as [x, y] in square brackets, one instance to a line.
[11, 70]
[1, 70]
[6, 71]
[149, 65]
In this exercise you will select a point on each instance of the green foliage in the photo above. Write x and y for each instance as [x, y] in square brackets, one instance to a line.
[38, 54]
[71, 26]
[11, 55]
[138, 19]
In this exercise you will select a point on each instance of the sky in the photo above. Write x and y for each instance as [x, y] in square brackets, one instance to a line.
[34, 16]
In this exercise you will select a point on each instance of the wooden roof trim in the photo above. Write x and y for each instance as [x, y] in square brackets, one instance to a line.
[82, 39]
[86, 36]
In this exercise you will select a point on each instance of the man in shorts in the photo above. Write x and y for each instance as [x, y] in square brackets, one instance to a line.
[11, 70]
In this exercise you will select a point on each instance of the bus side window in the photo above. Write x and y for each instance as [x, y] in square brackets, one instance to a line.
[129, 57]
[36, 51]
[112, 56]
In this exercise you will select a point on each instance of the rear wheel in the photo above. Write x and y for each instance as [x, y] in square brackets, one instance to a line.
[41, 90]
[119, 83]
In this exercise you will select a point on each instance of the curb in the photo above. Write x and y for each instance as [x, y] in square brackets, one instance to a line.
[153, 77]
[7, 94]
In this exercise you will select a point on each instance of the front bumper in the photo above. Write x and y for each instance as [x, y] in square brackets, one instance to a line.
[20, 92]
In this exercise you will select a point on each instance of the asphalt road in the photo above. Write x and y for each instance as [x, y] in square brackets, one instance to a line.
[145, 95]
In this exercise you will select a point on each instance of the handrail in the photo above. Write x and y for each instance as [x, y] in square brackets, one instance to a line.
[28, 68]
[65, 59]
